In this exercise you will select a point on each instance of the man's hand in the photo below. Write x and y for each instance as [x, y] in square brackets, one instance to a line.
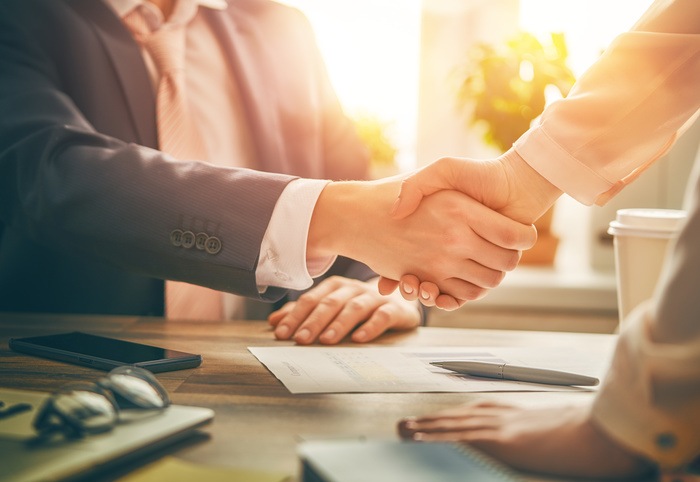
[451, 240]
[336, 307]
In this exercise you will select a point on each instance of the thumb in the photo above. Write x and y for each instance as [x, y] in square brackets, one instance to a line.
[410, 196]
[435, 177]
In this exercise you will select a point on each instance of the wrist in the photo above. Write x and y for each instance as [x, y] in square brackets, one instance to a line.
[347, 214]
[334, 220]
[529, 190]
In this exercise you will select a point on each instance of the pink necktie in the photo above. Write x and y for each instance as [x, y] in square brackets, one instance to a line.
[179, 137]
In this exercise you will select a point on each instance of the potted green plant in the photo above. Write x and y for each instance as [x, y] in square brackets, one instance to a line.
[373, 133]
[504, 88]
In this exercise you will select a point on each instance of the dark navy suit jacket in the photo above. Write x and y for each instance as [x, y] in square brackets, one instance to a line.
[88, 205]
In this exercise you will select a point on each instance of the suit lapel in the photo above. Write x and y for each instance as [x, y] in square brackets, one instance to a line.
[237, 40]
[128, 64]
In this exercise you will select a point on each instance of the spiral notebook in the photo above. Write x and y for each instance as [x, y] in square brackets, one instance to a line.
[393, 460]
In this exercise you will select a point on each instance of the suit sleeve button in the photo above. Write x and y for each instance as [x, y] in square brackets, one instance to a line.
[213, 245]
[187, 239]
[200, 241]
[176, 237]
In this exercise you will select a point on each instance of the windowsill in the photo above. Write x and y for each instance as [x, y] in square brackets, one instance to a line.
[557, 287]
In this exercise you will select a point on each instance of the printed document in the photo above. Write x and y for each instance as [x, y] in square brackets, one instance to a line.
[320, 369]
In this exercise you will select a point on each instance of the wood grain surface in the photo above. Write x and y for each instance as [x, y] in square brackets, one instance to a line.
[258, 422]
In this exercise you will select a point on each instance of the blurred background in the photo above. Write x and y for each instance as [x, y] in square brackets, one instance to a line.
[425, 79]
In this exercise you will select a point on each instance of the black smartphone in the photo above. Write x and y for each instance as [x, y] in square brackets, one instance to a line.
[104, 353]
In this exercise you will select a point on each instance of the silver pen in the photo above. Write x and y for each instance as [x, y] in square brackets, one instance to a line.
[505, 371]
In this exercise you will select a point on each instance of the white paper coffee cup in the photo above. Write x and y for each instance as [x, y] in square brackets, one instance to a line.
[641, 238]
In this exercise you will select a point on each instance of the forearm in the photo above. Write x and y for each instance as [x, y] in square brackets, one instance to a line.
[624, 112]
[84, 193]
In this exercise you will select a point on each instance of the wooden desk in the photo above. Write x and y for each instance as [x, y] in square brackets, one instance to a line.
[258, 421]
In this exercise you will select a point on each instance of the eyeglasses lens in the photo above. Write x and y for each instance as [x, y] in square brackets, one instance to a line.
[137, 391]
[81, 408]
[93, 411]
[75, 410]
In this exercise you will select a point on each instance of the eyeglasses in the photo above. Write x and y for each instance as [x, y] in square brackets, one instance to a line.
[80, 409]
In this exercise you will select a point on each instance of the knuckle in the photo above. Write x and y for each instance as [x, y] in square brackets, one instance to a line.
[382, 315]
[494, 279]
[472, 293]
[330, 302]
[508, 238]
[513, 260]
[308, 298]
[355, 305]
[335, 279]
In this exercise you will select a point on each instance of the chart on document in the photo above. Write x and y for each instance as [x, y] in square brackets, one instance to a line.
[407, 369]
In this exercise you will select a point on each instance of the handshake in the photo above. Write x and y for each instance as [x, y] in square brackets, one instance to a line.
[444, 235]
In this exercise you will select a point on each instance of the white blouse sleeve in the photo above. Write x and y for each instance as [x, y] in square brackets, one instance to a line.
[621, 116]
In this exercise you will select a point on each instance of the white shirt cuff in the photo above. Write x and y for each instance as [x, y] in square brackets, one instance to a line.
[283, 260]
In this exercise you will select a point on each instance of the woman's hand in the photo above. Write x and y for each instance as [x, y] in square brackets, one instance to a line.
[556, 440]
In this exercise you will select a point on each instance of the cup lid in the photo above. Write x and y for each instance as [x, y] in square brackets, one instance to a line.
[656, 222]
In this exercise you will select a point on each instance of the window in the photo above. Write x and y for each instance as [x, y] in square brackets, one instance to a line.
[371, 49]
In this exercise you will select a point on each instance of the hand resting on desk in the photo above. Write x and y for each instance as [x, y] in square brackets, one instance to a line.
[337, 306]
[555, 440]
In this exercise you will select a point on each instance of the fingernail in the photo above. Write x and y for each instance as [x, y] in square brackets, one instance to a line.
[406, 288]
[302, 336]
[360, 335]
[329, 335]
[425, 295]
[282, 331]
[418, 436]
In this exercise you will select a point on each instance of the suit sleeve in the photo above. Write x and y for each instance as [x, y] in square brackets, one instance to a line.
[625, 112]
[73, 189]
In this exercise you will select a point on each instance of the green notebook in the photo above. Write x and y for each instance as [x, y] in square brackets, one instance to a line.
[392, 460]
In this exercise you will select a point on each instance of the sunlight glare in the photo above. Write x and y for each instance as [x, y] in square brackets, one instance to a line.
[589, 26]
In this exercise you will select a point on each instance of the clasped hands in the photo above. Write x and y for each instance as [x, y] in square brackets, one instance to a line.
[446, 234]
[507, 185]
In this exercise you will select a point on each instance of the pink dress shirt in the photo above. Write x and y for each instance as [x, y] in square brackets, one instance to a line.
[214, 100]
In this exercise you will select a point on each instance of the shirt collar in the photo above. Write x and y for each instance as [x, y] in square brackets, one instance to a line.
[122, 7]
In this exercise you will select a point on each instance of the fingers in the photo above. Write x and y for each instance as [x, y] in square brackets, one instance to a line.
[501, 230]
[386, 286]
[332, 315]
[356, 310]
[450, 295]
[381, 320]
[409, 287]
[498, 239]
[427, 293]
[289, 318]
[448, 303]
[276, 316]
[336, 307]
[467, 231]
[464, 423]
